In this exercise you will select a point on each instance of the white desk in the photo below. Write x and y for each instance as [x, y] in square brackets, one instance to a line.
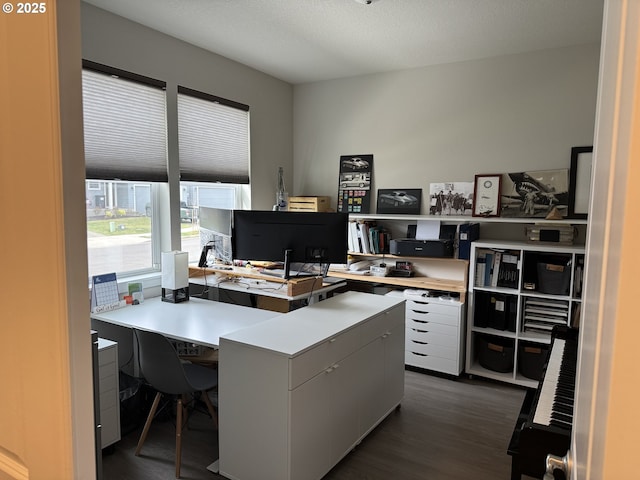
[198, 321]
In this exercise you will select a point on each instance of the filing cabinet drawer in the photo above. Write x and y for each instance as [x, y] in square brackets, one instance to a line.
[433, 307]
[432, 349]
[107, 355]
[423, 315]
[320, 357]
[109, 381]
[110, 432]
[433, 327]
[108, 399]
[432, 363]
[426, 336]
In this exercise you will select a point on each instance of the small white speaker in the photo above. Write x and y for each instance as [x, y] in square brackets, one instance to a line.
[175, 276]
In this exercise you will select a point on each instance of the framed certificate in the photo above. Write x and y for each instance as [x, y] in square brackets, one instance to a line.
[486, 195]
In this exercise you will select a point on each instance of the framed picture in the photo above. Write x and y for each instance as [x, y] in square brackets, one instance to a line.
[535, 194]
[486, 195]
[451, 198]
[354, 183]
[580, 181]
[400, 200]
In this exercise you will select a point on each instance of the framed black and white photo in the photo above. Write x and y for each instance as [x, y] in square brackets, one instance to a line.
[399, 200]
[535, 194]
[580, 181]
[486, 195]
[451, 198]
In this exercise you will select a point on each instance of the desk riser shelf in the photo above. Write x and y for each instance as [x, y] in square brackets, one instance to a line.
[294, 286]
[430, 273]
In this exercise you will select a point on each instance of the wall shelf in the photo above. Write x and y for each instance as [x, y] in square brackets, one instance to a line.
[462, 219]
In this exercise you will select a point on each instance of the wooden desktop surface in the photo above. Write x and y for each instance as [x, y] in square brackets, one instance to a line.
[294, 286]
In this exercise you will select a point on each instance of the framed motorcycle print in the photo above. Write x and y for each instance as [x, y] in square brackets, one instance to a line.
[486, 195]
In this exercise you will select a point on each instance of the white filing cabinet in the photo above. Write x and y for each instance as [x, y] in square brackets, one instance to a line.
[299, 391]
[109, 391]
[435, 333]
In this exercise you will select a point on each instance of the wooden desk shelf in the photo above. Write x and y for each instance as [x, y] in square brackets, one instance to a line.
[295, 286]
[431, 273]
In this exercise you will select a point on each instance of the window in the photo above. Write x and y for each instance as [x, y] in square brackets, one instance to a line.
[194, 195]
[213, 139]
[119, 227]
[125, 152]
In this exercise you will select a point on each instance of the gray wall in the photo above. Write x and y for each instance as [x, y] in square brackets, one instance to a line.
[433, 124]
[447, 122]
[118, 42]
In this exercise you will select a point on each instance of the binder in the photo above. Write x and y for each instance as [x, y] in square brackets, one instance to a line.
[467, 233]
[498, 316]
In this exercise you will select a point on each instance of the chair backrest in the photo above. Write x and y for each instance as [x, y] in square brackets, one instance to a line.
[160, 364]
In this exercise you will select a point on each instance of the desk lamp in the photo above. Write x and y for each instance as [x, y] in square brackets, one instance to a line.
[175, 276]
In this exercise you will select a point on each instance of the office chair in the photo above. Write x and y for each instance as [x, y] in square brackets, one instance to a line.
[164, 371]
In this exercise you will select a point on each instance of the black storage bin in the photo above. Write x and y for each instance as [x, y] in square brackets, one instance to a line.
[132, 403]
[495, 353]
[531, 359]
[554, 278]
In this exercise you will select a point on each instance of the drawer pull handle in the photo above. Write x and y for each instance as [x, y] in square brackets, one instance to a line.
[420, 354]
[386, 334]
[420, 343]
[332, 368]
[421, 312]
[332, 340]
[420, 331]
[420, 321]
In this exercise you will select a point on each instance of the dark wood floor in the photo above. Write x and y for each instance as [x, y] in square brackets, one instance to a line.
[445, 429]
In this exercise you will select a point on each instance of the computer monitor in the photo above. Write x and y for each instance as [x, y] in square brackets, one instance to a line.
[281, 236]
[215, 234]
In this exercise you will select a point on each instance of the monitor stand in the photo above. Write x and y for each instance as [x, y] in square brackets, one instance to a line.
[287, 263]
[286, 272]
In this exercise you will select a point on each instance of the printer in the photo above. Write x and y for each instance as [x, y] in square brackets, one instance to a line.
[412, 247]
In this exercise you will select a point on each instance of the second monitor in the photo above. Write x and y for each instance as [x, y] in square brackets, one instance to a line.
[280, 236]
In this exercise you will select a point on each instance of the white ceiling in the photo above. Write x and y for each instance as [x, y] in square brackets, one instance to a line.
[301, 41]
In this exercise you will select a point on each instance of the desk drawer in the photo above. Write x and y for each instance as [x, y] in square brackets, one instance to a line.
[433, 307]
[322, 356]
[108, 381]
[430, 326]
[107, 355]
[380, 324]
[426, 336]
[431, 349]
[436, 317]
[429, 362]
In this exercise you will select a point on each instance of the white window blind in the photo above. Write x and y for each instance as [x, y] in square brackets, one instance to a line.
[125, 131]
[213, 138]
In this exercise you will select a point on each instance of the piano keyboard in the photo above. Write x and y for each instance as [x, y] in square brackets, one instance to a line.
[555, 403]
[545, 421]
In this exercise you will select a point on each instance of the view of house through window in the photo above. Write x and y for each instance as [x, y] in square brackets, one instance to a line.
[119, 219]
[194, 195]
